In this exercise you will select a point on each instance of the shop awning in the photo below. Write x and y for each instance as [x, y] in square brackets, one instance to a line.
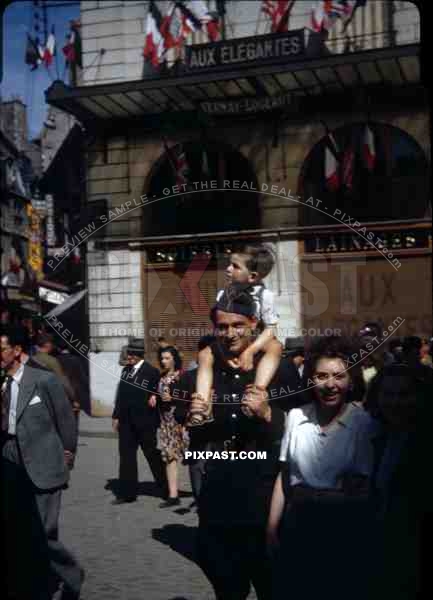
[308, 78]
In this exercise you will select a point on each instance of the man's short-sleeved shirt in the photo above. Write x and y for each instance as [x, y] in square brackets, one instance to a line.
[235, 491]
[264, 302]
[319, 458]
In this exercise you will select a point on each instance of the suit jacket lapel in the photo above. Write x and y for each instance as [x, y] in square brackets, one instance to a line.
[27, 385]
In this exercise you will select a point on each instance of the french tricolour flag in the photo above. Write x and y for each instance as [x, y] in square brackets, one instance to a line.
[50, 49]
[154, 46]
[331, 164]
[368, 149]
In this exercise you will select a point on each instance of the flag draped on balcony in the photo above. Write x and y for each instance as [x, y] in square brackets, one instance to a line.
[181, 164]
[196, 17]
[178, 162]
[50, 48]
[326, 13]
[72, 50]
[348, 164]
[332, 153]
[369, 149]
[34, 53]
[278, 11]
[208, 19]
[171, 27]
[154, 44]
[190, 22]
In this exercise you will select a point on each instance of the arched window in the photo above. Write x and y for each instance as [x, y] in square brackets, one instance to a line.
[392, 184]
[204, 209]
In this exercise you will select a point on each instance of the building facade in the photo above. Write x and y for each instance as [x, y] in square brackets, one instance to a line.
[21, 228]
[253, 117]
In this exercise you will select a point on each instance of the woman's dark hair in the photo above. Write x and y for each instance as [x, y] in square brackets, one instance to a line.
[398, 381]
[175, 354]
[346, 349]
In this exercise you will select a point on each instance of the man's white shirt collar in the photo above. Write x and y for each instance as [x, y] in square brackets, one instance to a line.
[18, 375]
[137, 366]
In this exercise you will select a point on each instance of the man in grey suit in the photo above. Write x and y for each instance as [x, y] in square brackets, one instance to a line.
[38, 444]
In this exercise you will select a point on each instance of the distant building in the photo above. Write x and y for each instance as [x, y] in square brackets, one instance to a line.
[20, 232]
[54, 131]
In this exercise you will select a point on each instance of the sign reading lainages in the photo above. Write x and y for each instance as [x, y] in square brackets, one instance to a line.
[272, 48]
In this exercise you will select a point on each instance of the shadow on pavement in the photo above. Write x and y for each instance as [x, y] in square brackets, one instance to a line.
[180, 538]
[145, 488]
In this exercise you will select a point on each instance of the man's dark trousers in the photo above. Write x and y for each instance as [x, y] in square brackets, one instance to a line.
[232, 558]
[130, 439]
[45, 559]
[138, 424]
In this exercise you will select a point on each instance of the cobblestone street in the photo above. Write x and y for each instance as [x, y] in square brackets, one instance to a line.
[133, 551]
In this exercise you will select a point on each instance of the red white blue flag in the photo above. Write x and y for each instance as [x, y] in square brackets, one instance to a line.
[369, 149]
[154, 45]
[326, 13]
[278, 12]
[332, 177]
[50, 49]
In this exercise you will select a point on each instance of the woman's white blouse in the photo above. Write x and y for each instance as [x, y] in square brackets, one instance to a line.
[319, 459]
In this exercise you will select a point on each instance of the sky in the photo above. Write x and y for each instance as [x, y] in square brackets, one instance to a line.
[18, 79]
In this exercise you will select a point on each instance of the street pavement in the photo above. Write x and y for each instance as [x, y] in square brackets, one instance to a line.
[133, 551]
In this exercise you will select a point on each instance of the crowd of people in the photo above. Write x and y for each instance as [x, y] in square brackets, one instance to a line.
[303, 459]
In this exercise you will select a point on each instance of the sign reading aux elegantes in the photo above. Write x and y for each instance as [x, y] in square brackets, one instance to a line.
[275, 47]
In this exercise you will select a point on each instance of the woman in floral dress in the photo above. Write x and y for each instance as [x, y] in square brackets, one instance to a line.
[172, 437]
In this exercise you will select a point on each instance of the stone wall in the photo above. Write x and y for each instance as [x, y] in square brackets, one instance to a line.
[119, 29]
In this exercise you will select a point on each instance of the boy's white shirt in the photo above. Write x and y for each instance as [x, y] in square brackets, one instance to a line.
[265, 305]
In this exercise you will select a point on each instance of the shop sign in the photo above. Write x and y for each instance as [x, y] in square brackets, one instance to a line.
[393, 240]
[52, 296]
[35, 253]
[50, 222]
[241, 106]
[258, 50]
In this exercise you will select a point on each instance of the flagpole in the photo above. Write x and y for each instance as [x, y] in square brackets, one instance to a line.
[289, 11]
[259, 20]
[56, 54]
[45, 21]
[221, 10]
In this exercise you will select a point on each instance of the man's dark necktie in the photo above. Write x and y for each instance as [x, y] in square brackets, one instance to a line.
[6, 403]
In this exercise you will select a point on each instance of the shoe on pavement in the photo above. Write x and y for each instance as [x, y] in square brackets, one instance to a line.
[126, 500]
[170, 502]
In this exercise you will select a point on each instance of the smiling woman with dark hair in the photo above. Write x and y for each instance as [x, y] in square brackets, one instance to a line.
[320, 498]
